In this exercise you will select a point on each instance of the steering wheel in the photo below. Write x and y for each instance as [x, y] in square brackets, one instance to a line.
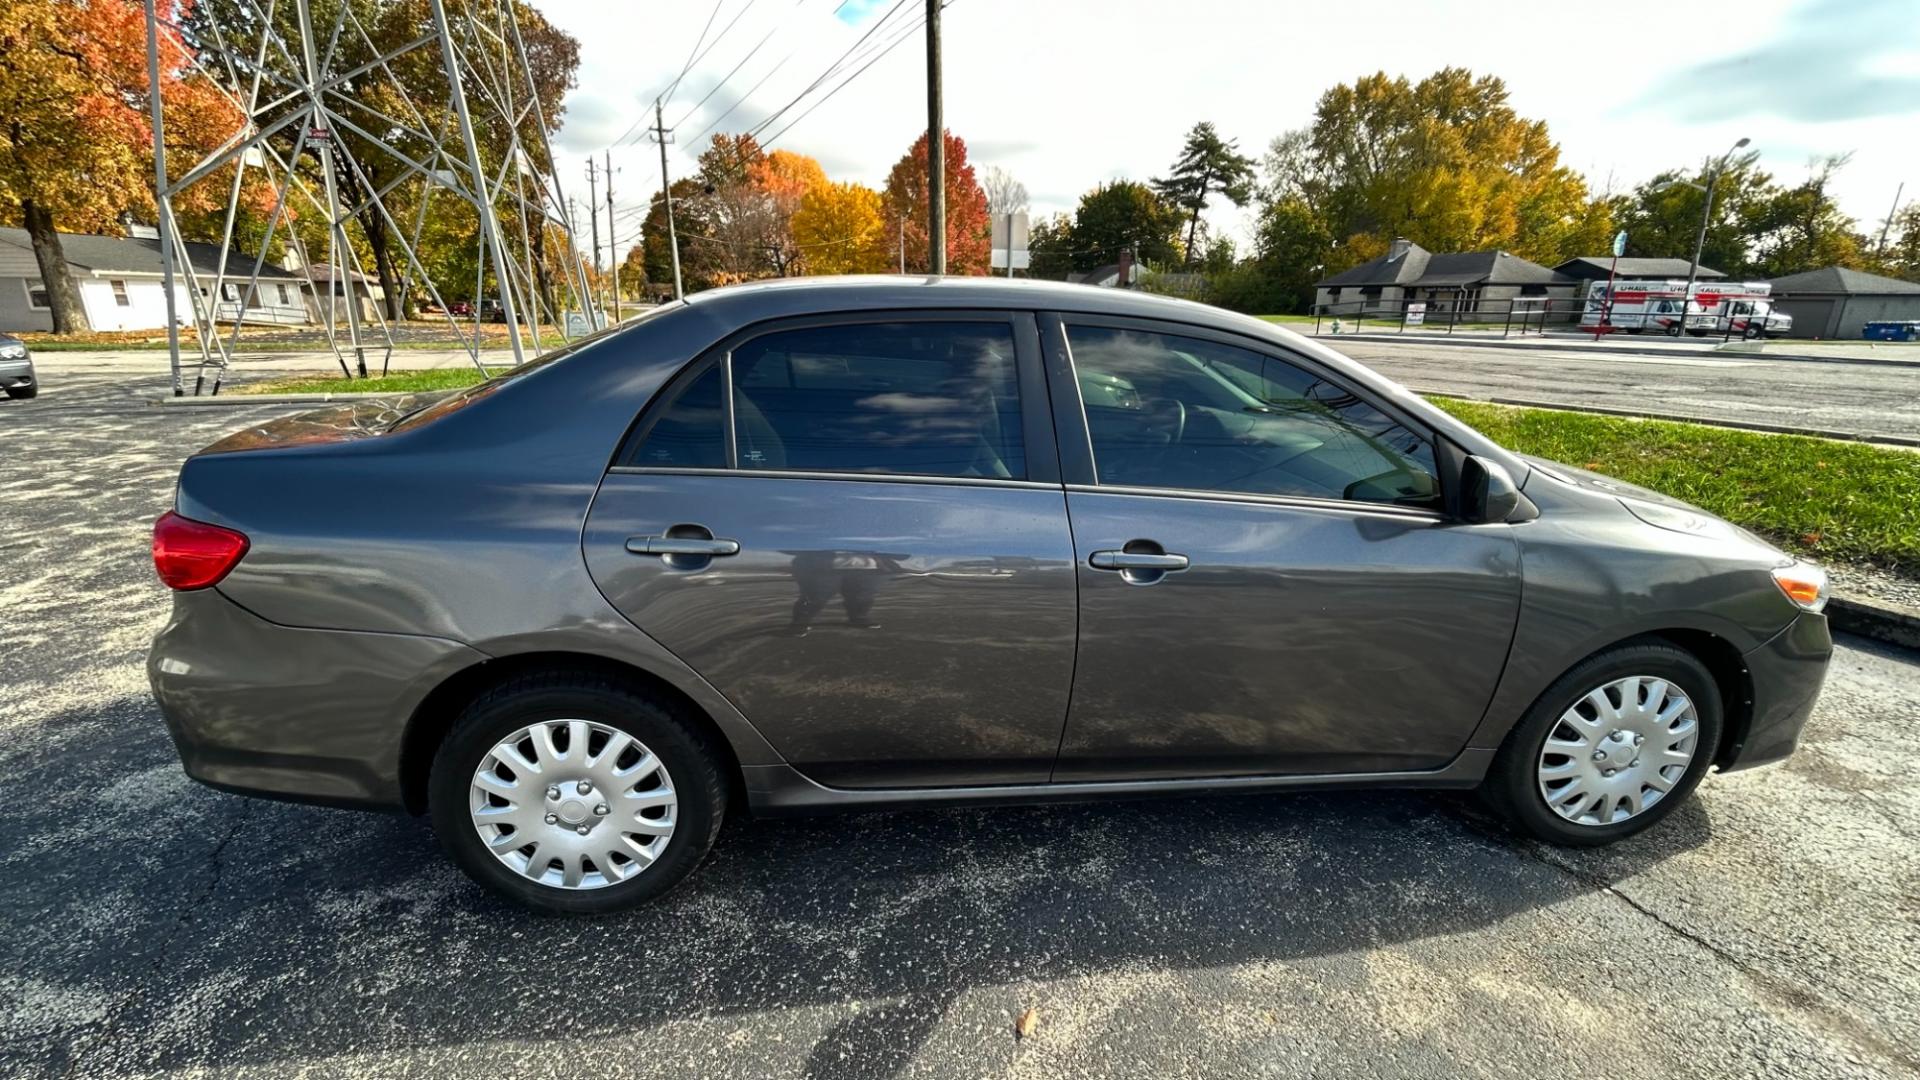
[1174, 411]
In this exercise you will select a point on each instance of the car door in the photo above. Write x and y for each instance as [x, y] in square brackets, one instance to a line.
[854, 528]
[1269, 583]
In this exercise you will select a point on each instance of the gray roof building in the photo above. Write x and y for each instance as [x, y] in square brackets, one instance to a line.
[139, 257]
[1837, 303]
[1409, 265]
[1596, 268]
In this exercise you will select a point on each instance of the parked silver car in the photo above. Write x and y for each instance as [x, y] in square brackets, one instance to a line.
[844, 543]
[16, 368]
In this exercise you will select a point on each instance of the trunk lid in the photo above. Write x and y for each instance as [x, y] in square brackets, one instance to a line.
[345, 422]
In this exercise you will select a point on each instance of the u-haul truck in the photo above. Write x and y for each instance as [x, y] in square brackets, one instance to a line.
[1665, 307]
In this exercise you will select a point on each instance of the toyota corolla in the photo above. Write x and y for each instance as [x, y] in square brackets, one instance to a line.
[855, 543]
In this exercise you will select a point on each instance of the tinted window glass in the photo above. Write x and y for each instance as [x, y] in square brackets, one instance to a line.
[1176, 412]
[691, 434]
[929, 399]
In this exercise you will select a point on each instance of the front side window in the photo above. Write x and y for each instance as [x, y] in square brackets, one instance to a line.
[917, 399]
[1174, 412]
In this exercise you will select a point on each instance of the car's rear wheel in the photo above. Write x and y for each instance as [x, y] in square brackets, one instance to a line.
[1611, 748]
[575, 794]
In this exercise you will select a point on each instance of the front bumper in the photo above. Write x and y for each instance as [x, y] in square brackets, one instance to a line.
[16, 374]
[307, 715]
[1787, 673]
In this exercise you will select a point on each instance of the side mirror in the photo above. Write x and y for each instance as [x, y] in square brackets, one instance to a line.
[1488, 493]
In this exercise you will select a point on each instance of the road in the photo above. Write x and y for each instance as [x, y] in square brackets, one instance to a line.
[1867, 399]
[157, 927]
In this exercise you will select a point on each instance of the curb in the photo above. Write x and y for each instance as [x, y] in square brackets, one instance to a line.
[1614, 350]
[1868, 619]
[274, 399]
[1683, 418]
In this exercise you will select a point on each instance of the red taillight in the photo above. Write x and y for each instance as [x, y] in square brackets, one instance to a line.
[191, 554]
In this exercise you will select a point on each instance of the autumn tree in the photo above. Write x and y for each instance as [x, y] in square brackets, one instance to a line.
[785, 178]
[966, 205]
[1207, 166]
[839, 229]
[77, 150]
[1445, 162]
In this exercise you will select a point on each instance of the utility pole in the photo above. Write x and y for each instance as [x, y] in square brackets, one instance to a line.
[903, 243]
[936, 150]
[1892, 212]
[593, 211]
[666, 196]
[1700, 241]
[613, 251]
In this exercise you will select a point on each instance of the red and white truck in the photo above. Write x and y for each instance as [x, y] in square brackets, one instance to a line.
[1742, 308]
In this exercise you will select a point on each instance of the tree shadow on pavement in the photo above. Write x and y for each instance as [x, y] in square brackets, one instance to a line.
[196, 929]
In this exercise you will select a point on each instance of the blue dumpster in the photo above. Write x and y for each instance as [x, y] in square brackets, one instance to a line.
[1908, 330]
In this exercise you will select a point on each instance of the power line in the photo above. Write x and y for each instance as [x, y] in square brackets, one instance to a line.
[833, 69]
[890, 46]
[694, 53]
[723, 81]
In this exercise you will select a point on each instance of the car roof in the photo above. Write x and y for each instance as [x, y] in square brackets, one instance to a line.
[759, 299]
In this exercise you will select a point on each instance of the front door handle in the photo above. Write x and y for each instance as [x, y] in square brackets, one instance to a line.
[1140, 562]
[681, 545]
[1135, 560]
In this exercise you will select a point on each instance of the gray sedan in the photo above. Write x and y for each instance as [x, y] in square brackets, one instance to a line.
[853, 543]
[16, 368]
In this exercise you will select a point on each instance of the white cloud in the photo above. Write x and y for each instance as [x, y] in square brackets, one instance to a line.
[1066, 94]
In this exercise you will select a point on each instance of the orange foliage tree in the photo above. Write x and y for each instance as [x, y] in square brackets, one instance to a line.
[76, 147]
[839, 230]
[967, 223]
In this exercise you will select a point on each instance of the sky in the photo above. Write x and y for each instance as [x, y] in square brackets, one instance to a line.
[1067, 94]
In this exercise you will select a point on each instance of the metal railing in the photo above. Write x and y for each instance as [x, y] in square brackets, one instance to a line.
[1514, 315]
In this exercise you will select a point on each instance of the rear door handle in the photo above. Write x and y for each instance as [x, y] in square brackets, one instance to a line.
[1135, 560]
[681, 545]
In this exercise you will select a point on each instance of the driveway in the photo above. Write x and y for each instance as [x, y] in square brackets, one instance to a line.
[153, 926]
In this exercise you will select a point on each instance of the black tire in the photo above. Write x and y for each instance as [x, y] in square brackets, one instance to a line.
[1675, 330]
[1512, 786]
[21, 393]
[690, 761]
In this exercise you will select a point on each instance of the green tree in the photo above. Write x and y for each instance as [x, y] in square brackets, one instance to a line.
[1207, 166]
[1124, 215]
[1662, 216]
[1800, 228]
[1446, 162]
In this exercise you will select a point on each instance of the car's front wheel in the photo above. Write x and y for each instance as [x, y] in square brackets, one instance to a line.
[1611, 748]
[573, 793]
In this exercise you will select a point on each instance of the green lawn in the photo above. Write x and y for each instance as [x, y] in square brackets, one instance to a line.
[1831, 500]
[400, 382]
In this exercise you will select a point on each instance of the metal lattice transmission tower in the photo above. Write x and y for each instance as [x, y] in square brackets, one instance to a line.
[366, 122]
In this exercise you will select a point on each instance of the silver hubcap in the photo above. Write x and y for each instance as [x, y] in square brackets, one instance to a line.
[573, 804]
[1618, 750]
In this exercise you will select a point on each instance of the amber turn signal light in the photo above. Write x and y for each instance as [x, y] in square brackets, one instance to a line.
[1803, 584]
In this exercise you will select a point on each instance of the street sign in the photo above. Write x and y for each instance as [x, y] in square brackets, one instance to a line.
[1416, 314]
[1010, 227]
[1620, 243]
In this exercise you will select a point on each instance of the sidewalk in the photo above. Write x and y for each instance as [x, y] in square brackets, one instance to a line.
[249, 366]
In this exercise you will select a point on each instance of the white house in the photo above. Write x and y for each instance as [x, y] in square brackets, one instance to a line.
[119, 279]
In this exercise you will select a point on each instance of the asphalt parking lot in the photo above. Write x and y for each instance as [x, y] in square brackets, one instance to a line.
[156, 927]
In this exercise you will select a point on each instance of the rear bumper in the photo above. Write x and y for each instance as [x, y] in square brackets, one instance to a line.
[306, 715]
[1787, 674]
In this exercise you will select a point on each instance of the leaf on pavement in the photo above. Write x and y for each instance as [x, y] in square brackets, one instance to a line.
[1024, 1027]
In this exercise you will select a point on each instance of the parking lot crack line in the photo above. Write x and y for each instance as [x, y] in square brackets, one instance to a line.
[110, 1028]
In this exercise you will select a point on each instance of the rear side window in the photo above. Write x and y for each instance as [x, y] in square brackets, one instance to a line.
[691, 433]
[920, 399]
